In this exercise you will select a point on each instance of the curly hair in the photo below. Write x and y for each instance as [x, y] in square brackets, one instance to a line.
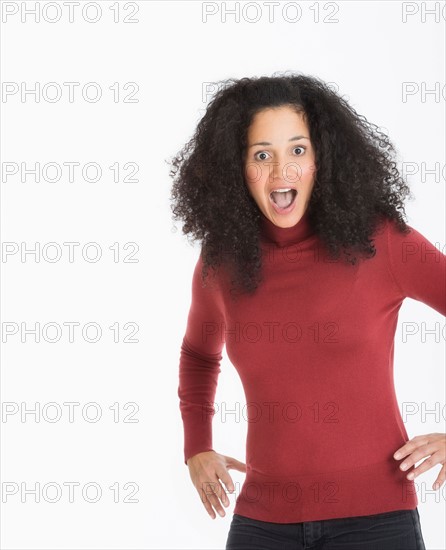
[356, 186]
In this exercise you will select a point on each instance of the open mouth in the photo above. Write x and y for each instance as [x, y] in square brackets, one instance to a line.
[283, 198]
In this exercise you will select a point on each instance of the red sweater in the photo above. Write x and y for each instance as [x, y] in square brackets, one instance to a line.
[314, 349]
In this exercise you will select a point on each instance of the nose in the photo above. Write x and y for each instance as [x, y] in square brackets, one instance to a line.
[286, 172]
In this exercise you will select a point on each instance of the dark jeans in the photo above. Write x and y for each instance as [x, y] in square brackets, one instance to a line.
[397, 530]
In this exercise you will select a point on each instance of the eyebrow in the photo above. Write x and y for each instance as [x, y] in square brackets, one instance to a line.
[295, 138]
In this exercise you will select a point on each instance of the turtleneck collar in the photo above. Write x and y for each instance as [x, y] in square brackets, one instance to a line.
[283, 236]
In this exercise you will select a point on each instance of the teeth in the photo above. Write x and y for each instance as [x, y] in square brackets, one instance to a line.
[281, 190]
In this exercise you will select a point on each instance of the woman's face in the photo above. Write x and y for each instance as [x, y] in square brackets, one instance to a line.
[279, 155]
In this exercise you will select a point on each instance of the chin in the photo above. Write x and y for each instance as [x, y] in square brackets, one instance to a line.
[284, 220]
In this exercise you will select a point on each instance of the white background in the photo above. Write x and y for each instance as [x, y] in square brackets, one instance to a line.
[171, 53]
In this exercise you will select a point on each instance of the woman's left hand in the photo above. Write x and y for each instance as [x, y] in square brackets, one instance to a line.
[419, 447]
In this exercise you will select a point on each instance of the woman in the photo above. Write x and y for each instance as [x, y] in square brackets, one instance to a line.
[299, 207]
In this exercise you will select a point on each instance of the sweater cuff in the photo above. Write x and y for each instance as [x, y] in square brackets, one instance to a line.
[197, 436]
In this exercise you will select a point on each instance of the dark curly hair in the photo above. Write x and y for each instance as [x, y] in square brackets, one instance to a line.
[356, 186]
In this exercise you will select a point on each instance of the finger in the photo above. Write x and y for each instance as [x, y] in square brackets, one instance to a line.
[207, 505]
[410, 446]
[417, 455]
[235, 464]
[219, 490]
[425, 466]
[209, 490]
[216, 502]
[223, 474]
[440, 479]
[206, 502]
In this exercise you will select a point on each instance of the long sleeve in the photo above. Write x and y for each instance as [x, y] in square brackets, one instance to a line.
[199, 366]
[418, 267]
[341, 357]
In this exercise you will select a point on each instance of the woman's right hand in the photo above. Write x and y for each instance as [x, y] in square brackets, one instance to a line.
[206, 470]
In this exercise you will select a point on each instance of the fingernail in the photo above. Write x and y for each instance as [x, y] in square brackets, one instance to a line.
[397, 456]
[403, 466]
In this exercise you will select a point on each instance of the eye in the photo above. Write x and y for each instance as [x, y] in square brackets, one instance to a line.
[260, 153]
[257, 155]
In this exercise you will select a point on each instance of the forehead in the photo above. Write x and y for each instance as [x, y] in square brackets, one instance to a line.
[270, 118]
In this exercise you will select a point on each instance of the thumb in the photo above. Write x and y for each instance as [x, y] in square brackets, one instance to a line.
[234, 464]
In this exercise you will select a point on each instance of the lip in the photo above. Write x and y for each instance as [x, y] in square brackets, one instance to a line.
[290, 208]
[282, 187]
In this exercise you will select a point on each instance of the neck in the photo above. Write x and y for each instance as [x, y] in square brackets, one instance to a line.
[283, 236]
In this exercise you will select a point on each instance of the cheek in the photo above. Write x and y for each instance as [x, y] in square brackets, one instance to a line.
[253, 174]
[308, 173]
